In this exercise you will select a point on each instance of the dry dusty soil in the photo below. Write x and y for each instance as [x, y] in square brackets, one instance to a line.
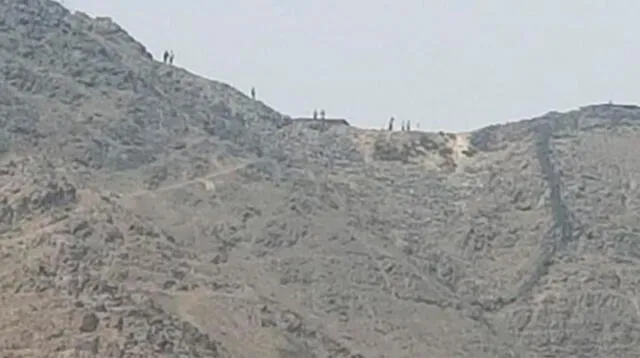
[149, 212]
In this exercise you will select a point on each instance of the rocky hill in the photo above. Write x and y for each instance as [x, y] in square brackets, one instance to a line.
[148, 212]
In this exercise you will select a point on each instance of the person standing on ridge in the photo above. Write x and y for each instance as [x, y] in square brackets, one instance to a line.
[315, 114]
[408, 126]
[322, 114]
[165, 56]
[253, 93]
[391, 120]
[171, 58]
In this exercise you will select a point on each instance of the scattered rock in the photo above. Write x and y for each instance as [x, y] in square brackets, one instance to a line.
[89, 323]
[147, 211]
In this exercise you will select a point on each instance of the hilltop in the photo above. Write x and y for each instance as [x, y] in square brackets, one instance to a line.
[146, 211]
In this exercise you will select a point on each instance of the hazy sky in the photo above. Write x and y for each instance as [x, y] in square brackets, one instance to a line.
[452, 65]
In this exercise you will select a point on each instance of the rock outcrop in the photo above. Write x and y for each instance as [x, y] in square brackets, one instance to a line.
[146, 211]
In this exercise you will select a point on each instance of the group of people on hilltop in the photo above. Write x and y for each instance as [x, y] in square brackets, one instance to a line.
[167, 57]
[315, 114]
[405, 126]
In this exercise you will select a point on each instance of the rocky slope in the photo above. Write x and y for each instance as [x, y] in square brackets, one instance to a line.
[145, 211]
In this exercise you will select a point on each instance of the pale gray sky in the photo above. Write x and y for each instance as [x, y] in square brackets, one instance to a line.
[452, 65]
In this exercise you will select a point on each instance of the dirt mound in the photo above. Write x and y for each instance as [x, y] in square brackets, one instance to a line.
[445, 151]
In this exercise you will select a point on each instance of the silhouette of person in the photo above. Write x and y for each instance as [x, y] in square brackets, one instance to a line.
[253, 93]
[165, 56]
[391, 120]
[315, 114]
[322, 114]
[171, 58]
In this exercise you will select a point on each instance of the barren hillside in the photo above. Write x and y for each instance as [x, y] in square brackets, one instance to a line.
[148, 212]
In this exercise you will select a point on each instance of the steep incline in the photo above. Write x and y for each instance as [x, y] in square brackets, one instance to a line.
[578, 298]
[561, 231]
[145, 211]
